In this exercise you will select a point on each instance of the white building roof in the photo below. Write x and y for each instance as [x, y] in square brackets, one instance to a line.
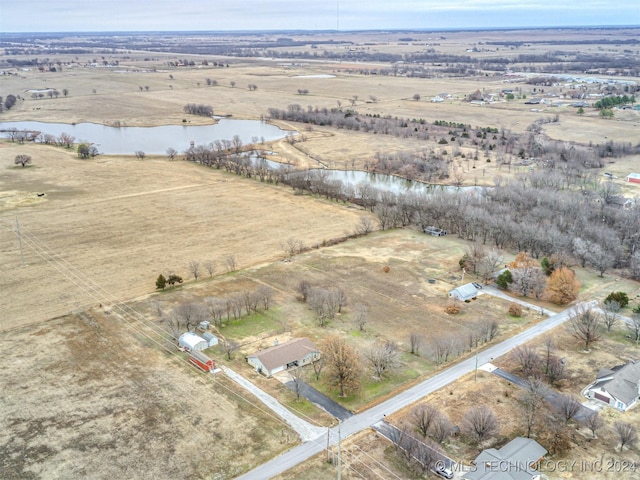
[190, 340]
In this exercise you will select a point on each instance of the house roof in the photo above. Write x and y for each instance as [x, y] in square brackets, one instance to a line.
[466, 291]
[620, 381]
[190, 339]
[511, 462]
[285, 353]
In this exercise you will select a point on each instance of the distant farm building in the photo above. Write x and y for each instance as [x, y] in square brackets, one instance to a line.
[189, 341]
[201, 361]
[633, 178]
[465, 292]
[435, 231]
[294, 353]
[210, 338]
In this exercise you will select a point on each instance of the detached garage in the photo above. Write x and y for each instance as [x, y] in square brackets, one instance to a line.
[294, 353]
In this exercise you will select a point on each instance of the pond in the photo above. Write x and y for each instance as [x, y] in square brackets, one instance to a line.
[154, 140]
[389, 183]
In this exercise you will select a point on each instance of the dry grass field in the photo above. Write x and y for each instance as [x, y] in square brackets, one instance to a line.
[120, 222]
[89, 392]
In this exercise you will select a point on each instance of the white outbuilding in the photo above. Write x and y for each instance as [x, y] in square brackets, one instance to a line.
[189, 341]
[465, 292]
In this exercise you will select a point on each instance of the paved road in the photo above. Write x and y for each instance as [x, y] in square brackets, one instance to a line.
[375, 414]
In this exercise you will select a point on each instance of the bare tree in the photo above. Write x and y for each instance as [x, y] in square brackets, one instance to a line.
[423, 416]
[593, 423]
[416, 97]
[382, 357]
[549, 348]
[610, 310]
[528, 359]
[210, 267]
[415, 342]
[480, 422]
[441, 428]
[556, 370]
[217, 308]
[633, 324]
[140, 154]
[228, 347]
[364, 226]
[568, 406]
[265, 296]
[339, 298]
[232, 264]
[360, 315]
[291, 247]
[171, 153]
[343, 364]
[585, 325]
[194, 268]
[191, 314]
[627, 434]
[22, 160]
[297, 380]
[324, 305]
[304, 287]
[318, 365]
[531, 403]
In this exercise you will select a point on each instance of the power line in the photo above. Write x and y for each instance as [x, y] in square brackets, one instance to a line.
[92, 289]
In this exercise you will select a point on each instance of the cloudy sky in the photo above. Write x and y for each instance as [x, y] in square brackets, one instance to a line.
[144, 15]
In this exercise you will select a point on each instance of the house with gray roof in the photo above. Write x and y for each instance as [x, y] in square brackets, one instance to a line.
[280, 357]
[465, 292]
[515, 461]
[618, 387]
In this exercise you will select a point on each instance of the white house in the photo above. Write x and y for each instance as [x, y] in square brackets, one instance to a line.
[189, 341]
[294, 353]
[464, 292]
[618, 387]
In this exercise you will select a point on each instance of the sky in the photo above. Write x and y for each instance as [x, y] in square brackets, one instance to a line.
[229, 15]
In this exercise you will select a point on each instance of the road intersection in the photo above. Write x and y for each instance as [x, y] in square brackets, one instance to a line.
[376, 413]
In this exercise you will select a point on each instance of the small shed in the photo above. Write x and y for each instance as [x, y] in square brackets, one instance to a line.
[633, 178]
[210, 338]
[189, 341]
[294, 353]
[464, 293]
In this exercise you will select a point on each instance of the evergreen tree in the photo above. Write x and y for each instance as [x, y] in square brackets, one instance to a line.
[161, 282]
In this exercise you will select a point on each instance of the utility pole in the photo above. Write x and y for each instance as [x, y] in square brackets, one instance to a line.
[328, 434]
[19, 240]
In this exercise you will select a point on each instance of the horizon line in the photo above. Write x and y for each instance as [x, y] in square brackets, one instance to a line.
[336, 31]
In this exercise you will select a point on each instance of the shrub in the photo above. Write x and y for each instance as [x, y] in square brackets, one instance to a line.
[515, 309]
[620, 297]
[386, 269]
[504, 279]
[453, 308]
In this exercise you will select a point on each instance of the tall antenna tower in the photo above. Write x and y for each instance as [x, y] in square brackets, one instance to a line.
[337, 14]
